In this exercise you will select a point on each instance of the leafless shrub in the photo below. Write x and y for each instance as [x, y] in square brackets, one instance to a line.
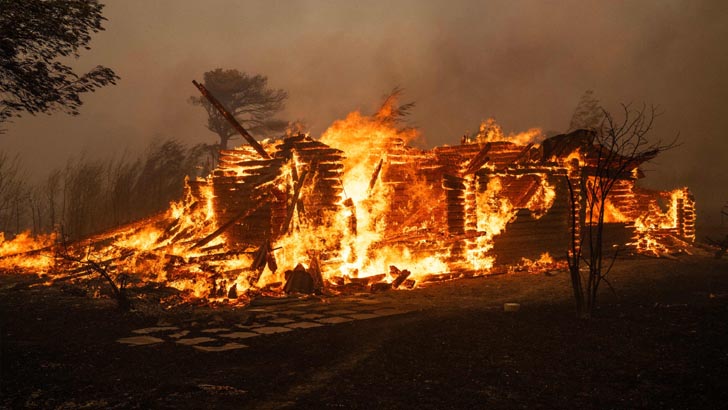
[617, 147]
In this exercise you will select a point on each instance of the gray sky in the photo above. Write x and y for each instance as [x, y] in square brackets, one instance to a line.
[526, 63]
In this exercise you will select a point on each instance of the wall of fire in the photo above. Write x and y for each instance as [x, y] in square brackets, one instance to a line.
[436, 202]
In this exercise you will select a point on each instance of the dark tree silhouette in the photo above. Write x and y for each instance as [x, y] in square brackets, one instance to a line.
[616, 147]
[247, 98]
[35, 35]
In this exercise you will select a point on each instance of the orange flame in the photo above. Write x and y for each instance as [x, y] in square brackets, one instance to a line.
[26, 252]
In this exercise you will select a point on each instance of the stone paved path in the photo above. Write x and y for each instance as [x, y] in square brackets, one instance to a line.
[266, 320]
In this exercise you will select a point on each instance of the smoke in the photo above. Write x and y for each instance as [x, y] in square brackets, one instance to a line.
[525, 63]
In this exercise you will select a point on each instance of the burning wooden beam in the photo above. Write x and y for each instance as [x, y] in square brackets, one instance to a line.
[478, 160]
[294, 202]
[400, 276]
[375, 176]
[225, 113]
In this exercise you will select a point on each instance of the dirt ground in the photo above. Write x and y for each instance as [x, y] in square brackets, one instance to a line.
[659, 342]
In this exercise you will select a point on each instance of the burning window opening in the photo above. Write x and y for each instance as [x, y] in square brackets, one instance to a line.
[359, 208]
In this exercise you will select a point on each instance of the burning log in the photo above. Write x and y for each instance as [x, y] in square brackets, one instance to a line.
[375, 176]
[409, 284]
[441, 277]
[523, 153]
[217, 256]
[400, 276]
[367, 280]
[478, 161]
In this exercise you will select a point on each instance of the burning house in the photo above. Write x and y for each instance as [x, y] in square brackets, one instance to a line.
[361, 206]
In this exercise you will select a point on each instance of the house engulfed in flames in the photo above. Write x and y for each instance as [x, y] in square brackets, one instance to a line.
[361, 206]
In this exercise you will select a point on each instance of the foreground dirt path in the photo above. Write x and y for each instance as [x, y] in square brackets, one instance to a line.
[660, 342]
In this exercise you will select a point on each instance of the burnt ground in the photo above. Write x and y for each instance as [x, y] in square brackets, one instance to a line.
[660, 342]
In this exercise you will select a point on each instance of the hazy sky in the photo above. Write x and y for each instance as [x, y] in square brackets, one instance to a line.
[526, 63]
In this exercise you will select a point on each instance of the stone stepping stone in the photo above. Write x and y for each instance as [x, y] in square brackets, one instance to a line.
[269, 330]
[155, 329]
[303, 303]
[369, 302]
[363, 316]
[223, 348]
[364, 308]
[281, 320]
[340, 312]
[195, 341]
[334, 320]
[291, 312]
[253, 326]
[139, 340]
[239, 335]
[360, 301]
[179, 334]
[258, 309]
[303, 325]
[311, 316]
[389, 312]
[216, 330]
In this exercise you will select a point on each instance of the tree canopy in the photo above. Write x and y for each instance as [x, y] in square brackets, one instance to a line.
[247, 97]
[36, 34]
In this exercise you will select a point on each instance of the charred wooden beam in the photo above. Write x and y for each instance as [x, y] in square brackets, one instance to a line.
[367, 280]
[217, 256]
[478, 161]
[375, 176]
[523, 152]
[400, 276]
[225, 113]
[294, 201]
